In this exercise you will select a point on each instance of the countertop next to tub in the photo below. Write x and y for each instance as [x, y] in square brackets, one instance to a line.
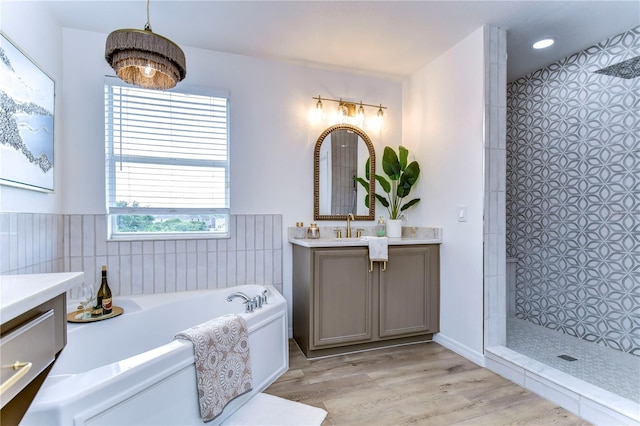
[410, 236]
[20, 293]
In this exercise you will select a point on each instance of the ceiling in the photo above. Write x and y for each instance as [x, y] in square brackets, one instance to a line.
[386, 38]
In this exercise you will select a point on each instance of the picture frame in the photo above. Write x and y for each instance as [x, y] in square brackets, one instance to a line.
[27, 104]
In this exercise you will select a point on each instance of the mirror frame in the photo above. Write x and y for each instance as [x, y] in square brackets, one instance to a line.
[316, 175]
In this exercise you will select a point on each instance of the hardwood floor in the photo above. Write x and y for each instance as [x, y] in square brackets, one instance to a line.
[421, 384]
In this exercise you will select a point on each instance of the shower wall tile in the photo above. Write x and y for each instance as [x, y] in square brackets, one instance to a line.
[494, 185]
[572, 201]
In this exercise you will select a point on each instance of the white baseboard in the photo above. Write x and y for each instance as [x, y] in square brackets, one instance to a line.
[460, 349]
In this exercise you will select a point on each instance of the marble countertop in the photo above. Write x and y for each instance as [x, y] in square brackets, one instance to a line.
[20, 293]
[410, 236]
[355, 242]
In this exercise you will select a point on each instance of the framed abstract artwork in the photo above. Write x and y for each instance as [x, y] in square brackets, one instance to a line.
[27, 98]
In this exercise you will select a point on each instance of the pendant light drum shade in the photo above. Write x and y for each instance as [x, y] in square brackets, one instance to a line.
[145, 59]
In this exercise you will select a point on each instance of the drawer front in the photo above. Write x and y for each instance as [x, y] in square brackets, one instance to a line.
[32, 343]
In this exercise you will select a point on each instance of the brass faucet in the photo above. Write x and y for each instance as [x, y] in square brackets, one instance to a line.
[349, 219]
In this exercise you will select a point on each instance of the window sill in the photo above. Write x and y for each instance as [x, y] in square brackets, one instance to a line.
[166, 236]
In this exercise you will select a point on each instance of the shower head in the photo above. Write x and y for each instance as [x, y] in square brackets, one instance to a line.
[625, 69]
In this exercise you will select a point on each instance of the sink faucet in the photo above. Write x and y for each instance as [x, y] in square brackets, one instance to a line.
[349, 219]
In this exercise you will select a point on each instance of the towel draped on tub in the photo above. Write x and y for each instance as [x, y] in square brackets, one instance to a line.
[223, 363]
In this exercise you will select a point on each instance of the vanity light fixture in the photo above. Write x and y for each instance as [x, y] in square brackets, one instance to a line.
[145, 59]
[350, 112]
[544, 43]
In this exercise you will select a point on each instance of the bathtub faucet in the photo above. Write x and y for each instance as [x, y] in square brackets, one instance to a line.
[249, 303]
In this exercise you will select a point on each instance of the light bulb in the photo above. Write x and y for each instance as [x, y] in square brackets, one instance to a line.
[380, 113]
[148, 71]
[319, 104]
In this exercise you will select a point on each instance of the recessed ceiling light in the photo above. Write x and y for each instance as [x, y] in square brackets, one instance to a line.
[545, 42]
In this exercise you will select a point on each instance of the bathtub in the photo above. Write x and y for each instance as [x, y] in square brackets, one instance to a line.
[129, 370]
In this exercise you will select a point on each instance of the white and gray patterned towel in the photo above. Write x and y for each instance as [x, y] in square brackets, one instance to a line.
[223, 362]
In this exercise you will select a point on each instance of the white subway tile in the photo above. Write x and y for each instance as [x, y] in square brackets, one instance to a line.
[181, 246]
[250, 262]
[181, 271]
[277, 267]
[221, 269]
[75, 235]
[250, 232]
[192, 272]
[88, 235]
[113, 248]
[147, 274]
[232, 273]
[241, 268]
[170, 272]
[201, 268]
[125, 275]
[241, 232]
[259, 232]
[268, 232]
[158, 276]
[100, 236]
[113, 273]
[35, 257]
[137, 274]
[158, 247]
[268, 267]
[192, 246]
[170, 246]
[136, 247]
[27, 233]
[212, 245]
[233, 232]
[124, 248]
[212, 270]
[277, 232]
[201, 246]
[259, 266]
[13, 241]
[147, 247]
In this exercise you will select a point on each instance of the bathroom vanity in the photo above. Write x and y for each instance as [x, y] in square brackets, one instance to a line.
[343, 303]
[33, 332]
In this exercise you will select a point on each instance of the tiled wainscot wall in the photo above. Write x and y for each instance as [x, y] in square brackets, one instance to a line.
[37, 243]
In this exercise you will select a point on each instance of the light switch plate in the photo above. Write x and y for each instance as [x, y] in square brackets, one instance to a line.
[462, 213]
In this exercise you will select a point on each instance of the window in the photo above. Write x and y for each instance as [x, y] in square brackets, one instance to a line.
[167, 162]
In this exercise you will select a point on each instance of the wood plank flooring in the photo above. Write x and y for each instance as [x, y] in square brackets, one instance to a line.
[421, 384]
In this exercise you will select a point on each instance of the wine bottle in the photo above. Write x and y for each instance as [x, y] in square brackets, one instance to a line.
[104, 294]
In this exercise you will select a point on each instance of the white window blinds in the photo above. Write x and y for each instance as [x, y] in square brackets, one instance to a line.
[167, 152]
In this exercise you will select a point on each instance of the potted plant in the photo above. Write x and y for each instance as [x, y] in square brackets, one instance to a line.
[397, 185]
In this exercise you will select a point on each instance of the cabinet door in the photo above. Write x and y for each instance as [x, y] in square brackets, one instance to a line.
[342, 297]
[409, 291]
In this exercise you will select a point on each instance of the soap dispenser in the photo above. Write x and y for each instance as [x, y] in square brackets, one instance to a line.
[380, 230]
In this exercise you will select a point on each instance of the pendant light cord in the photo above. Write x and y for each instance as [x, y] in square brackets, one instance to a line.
[147, 26]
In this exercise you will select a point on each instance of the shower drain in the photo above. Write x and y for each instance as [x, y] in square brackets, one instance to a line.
[567, 358]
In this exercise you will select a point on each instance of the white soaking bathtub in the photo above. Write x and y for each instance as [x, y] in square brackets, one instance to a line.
[128, 370]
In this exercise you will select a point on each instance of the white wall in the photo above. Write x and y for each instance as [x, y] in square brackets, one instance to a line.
[443, 129]
[272, 139]
[39, 36]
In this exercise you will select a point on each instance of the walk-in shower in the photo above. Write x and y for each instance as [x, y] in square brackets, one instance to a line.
[572, 216]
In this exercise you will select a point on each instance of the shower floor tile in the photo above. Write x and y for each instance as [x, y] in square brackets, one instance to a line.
[609, 369]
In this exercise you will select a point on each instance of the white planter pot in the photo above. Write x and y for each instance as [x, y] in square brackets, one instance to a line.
[394, 228]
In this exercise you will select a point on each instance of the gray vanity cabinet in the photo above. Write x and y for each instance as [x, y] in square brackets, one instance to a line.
[409, 291]
[340, 305]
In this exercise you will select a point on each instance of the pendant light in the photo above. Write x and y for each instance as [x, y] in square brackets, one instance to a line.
[145, 59]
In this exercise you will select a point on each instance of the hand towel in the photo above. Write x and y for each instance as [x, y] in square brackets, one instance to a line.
[223, 362]
[378, 248]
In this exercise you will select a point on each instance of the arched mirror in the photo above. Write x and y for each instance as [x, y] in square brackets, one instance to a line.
[340, 155]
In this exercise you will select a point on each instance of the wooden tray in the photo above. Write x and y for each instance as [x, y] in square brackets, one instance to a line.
[71, 317]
